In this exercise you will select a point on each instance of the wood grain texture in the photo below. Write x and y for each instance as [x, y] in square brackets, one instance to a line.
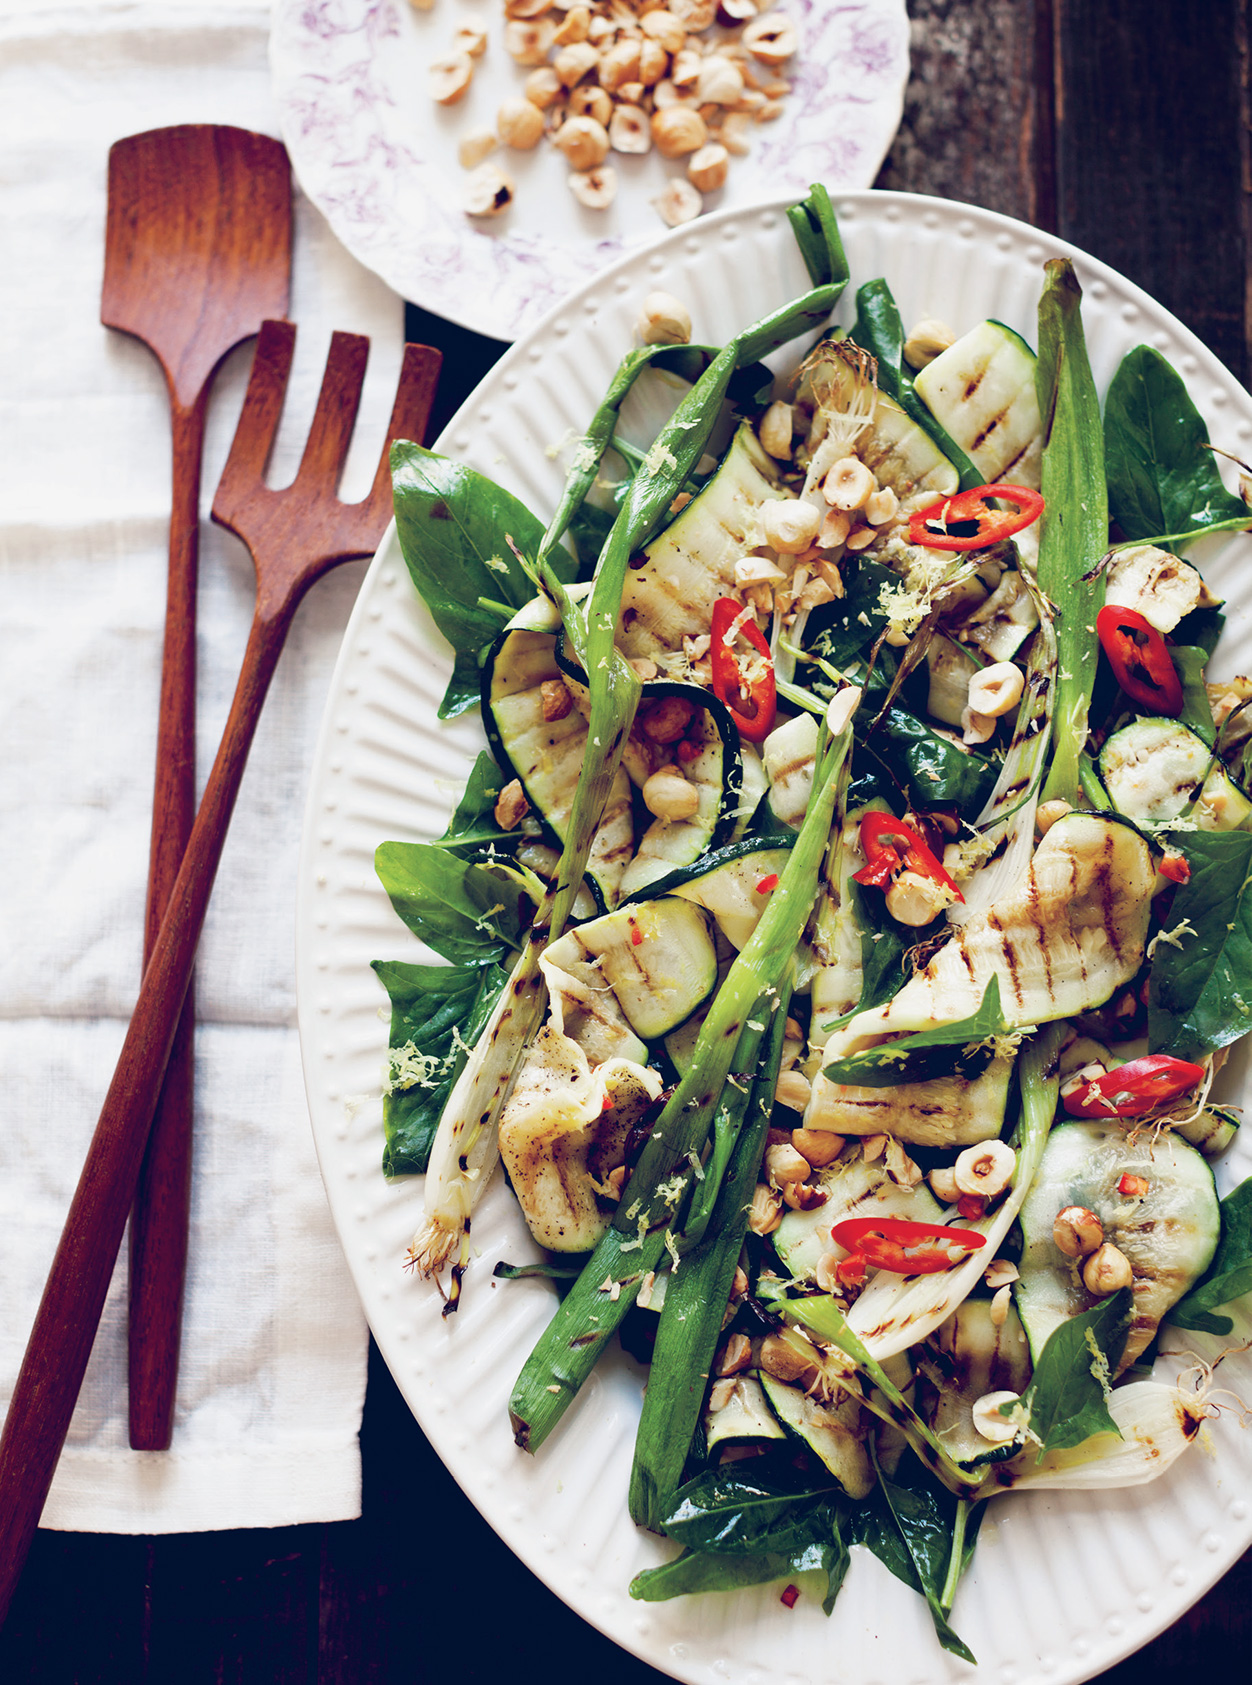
[197, 255]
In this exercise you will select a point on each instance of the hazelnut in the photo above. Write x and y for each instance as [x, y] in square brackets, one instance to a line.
[819, 1146]
[1077, 1232]
[574, 62]
[994, 690]
[488, 191]
[664, 320]
[584, 142]
[679, 203]
[770, 38]
[542, 87]
[630, 130]
[596, 188]
[706, 169]
[519, 124]
[474, 147]
[1106, 1271]
[677, 130]
[664, 28]
[471, 38]
[528, 42]
[849, 484]
[447, 78]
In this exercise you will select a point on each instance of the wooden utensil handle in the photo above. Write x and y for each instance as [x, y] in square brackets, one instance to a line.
[161, 1213]
[73, 1299]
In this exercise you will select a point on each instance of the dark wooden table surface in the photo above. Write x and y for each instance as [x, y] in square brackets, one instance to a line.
[1122, 125]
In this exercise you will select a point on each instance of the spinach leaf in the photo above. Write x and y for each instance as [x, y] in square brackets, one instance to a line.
[696, 1571]
[1229, 1275]
[436, 1011]
[908, 1060]
[931, 771]
[731, 1509]
[879, 330]
[459, 910]
[843, 631]
[473, 825]
[1163, 480]
[1200, 994]
[454, 527]
[1066, 1396]
[923, 1516]
[883, 948]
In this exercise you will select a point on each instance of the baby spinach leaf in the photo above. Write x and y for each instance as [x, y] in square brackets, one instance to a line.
[459, 910]
[1229, 1275]
[924, 1515]
[1163, 480]
[1066, 1397]
[931, 771]
[879, 330]
[909, 1059]
[455, 527]
[733, 1510]
[473, 825]
[816, 1547]
[843, 631]
[436, 1011]
[1200, 995]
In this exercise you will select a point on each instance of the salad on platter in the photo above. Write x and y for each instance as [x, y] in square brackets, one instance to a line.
[845, 925]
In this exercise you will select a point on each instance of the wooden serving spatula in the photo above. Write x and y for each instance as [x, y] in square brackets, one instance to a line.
[197, 256]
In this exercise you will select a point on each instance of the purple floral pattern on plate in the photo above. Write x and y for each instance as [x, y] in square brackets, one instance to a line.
[379, 158]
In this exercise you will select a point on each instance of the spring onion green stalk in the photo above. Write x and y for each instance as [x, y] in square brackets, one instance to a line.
[571, 1344]
[695, 1302]
[1075, 522]
[820, 1315]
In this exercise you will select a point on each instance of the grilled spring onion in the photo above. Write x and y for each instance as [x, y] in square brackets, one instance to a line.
[1075, 520]
[695, 1302]
[569, 1347]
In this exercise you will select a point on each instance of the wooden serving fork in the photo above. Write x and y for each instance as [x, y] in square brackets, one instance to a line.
[294, 535]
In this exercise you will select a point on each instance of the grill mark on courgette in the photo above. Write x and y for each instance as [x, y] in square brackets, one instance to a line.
[989, 429]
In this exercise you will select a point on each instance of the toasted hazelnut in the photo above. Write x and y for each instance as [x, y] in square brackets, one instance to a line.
[630, 130]
[849, 485]
[789, 524]
[678, 130]
[1047, 814]
[679, 202]
[735, 1355]
[976, 727]
[555, 699]
[776, 429]
[511, 805]
[573, 27]
[542, 87]
[595, 189]
[574, 62]
[784, 1164]
[653, 62]
[631, 93]
[735, 133]
[1001, 1299]
[474, 147]
[528, 42]
[720, 81]
[770, 38]
[926, 340]
[881, 506]
[1077, 1232]
[470, 38]
[447, 78]
[915, 900]
[584, 142]
[1000, 1272]
[1106, 1271]
[664, 320]
[488, 191]
[670, 796]
[664, 28]
[819, 1146]
[986, 1169]
[619, 64]
[780, 1358]
[731, 13]
[694, 15]
[588, 100]
[519, 124]
[706, 169]
[685, 69]
[765, 1212]
[989, 1423]
[942, 1181]
[526, 8]
[994, 690]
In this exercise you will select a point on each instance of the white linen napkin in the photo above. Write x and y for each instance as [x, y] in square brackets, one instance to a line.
[274, 1344]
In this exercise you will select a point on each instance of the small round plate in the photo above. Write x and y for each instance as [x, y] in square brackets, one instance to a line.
[379, 158]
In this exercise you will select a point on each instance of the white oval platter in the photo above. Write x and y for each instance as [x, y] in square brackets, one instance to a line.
[1061, 1586]
[379, 158]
